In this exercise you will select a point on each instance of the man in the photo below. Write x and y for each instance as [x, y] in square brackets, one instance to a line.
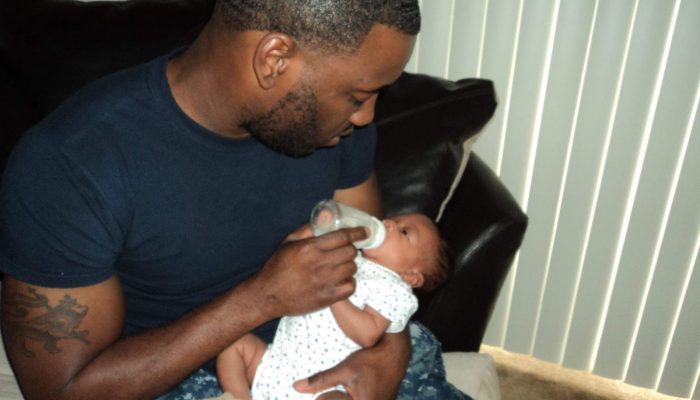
[141, 222]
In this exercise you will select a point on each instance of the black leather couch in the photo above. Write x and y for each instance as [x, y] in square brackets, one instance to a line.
[49, 48]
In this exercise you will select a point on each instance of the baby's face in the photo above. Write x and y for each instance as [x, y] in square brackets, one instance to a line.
[410, 238]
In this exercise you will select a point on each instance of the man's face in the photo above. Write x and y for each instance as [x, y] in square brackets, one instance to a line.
[333, 94]
[292, 126]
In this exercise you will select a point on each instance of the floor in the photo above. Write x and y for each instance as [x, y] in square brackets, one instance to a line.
[524, 377]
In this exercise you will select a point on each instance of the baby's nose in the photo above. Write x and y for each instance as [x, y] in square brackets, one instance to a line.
[389, 224]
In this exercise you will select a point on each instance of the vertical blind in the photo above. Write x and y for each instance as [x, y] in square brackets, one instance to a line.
[597, 135]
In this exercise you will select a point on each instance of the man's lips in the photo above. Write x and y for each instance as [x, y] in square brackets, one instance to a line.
[335, 139]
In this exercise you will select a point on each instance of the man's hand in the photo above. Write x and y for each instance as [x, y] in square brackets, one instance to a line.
[307, 273]
[373, 373]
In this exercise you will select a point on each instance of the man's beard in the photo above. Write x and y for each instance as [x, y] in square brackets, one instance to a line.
[292, 126]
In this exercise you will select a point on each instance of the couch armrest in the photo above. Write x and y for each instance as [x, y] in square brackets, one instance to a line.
[484, 227]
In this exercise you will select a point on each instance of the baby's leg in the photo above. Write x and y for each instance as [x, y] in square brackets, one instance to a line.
[236, 365]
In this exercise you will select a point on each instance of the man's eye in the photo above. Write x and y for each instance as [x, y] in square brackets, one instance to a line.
[355, 102]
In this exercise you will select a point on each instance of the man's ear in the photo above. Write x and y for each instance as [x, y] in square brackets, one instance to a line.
[413, 277]
[272, 58]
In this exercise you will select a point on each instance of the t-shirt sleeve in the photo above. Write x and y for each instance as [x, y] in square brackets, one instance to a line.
[56, 229]
[358, 156]
[394, 302]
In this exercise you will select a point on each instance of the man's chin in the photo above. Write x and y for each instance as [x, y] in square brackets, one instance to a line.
[287, 147]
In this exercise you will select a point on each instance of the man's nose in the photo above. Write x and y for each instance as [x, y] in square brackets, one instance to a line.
[365, 114]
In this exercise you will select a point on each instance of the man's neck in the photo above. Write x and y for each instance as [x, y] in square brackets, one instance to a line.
[202, 89]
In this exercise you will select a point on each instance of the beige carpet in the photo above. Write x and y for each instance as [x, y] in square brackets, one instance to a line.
[524, 377]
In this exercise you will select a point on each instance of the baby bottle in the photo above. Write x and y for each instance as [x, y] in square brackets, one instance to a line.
[329, 215]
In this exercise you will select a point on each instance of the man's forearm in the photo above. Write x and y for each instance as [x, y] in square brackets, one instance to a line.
[397, 346]
[147, 364]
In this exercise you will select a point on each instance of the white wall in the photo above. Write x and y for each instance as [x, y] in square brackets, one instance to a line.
[596, 135]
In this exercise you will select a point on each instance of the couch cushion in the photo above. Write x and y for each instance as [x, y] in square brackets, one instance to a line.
[473, 373]
[423, 122]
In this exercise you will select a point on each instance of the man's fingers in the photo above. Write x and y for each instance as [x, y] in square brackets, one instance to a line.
[303, 232]
[323, 380]
[339, 286]
[345, 288]
[330, 240]
[341, 237]
[334, 395]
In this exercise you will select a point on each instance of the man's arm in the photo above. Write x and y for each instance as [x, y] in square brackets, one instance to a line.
[64, 343]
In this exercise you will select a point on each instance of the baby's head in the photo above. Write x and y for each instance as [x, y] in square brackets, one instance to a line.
[413, 249]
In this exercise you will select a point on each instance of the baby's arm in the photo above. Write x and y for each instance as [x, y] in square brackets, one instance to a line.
[365, 327]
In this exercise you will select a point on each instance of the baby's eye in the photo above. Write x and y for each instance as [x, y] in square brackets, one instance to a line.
[404, 231]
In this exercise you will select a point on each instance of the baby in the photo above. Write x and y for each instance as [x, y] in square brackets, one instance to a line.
[412, 256]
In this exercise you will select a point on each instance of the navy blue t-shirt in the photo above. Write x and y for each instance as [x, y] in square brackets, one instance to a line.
[119, 180]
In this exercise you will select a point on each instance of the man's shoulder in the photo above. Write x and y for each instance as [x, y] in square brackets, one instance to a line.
[103, 103]
[102, 113]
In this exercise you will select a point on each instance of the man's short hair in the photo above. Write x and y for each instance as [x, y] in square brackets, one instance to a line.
[335, 26]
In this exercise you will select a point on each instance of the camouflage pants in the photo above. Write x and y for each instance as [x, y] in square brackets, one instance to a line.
[425, 377]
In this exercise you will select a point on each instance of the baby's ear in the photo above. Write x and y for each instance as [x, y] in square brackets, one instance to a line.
[413, 277]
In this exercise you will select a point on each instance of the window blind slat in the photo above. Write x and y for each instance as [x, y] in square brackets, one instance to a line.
[434, 38]
[682, 361]
[466, 44]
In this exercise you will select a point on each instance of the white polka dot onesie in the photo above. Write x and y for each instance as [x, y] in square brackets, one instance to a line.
[309, 343]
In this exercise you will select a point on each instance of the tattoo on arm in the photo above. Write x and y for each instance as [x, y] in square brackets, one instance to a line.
[49, 326]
